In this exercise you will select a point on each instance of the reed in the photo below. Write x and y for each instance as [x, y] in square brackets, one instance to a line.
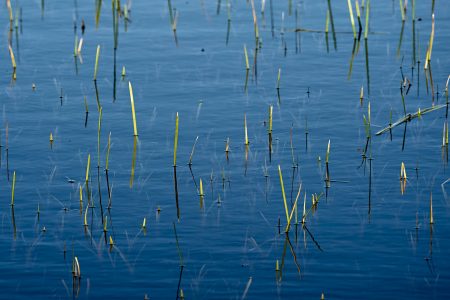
[247, 65]
[352, 20]
[304, 209]
[10, 11]
[13, 60]
[278, 78]
[294, 208]
[75, 47]
[201, 193]
[358, 15]
[402, 10]
[283, 193]
[88, 167]
[85, 224]
[111, 242]
[361, 95]
[403, 172]
[245, 130]
[192, 151]
[175, 146]
[51, 140]
[13, 188]
[124, 72]
[327, 172]
[76, 271]
[80, 188]
[144, 223]
[366, 28]
[255, 23]
[97, 55]
[227, 148]
[409, 117]
[133, 113]
[80, 46]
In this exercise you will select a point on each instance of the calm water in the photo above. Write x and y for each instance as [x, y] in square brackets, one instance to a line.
[229, 249]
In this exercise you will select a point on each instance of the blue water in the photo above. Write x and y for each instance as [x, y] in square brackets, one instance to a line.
[229, 249]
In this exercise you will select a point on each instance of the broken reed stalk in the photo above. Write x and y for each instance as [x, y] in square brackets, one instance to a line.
[247, 65]
[245, 130]
[366, 28]
[409, 117]
[13, 188]
[192, 151]
[133, 113]
[283, 193]
[97, 55]
[278, 78]
[352, 20]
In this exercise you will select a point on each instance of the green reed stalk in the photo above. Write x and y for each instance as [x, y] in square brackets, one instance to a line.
[97, 55]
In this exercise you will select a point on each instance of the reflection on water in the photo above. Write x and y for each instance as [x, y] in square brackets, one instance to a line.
[309, 108]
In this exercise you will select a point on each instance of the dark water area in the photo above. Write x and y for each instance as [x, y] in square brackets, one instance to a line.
[369, 235]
